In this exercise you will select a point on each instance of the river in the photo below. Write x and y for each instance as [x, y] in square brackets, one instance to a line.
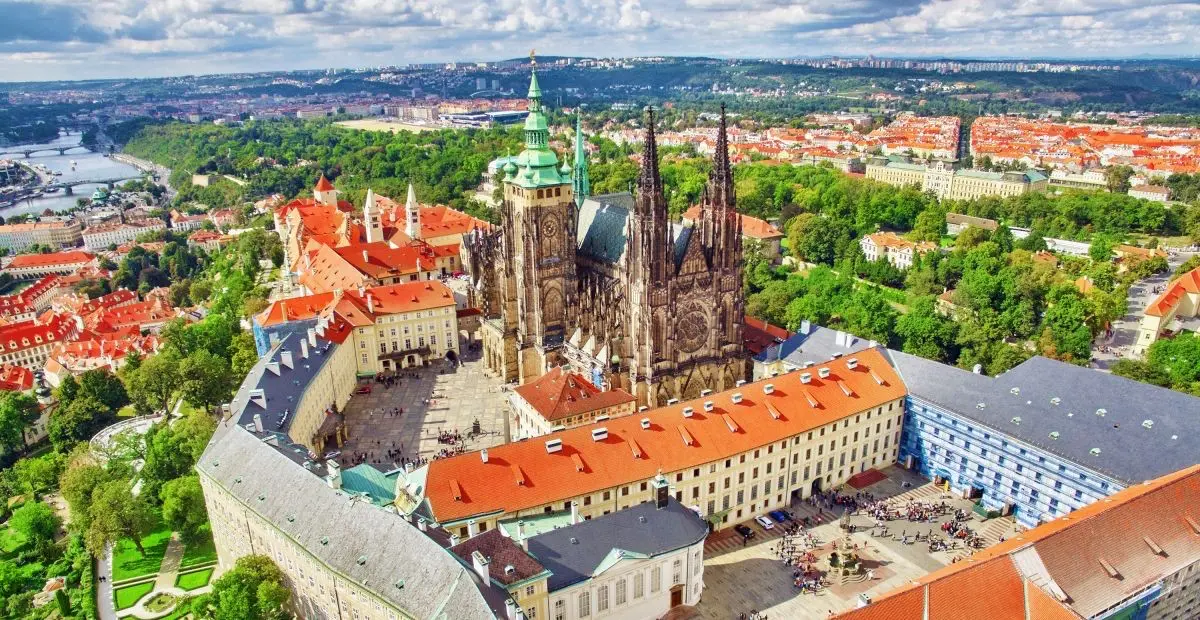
[88, 165]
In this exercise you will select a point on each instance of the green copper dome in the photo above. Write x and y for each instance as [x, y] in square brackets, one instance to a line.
[538, 163]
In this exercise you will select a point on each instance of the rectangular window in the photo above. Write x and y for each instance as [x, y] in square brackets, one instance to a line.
[585, 604]
[677, 571]
[638, 584]
[560, 610]
[602, 599]
[621, 592]
[655, 579]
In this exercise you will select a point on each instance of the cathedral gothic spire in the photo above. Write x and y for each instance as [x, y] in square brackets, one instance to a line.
[582, 182]
[650, 205]
[720, 180]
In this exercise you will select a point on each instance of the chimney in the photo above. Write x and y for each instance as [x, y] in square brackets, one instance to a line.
[480, 564]
[304, 349]
[370, 303]
[366, 257]
[472, 528]
[453, 539]
[977, 369]
[823, 372]
[483, 455]
[286, 359]
[312, 338]
[408, 467]
[335, 474]
[574, 513]
[805, 327]
[510, 608]
[521, 530]
[422, 525]
[258, 427]
[839, 338]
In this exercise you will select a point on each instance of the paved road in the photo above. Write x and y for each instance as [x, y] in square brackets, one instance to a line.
[104, 597]
[1125, 329]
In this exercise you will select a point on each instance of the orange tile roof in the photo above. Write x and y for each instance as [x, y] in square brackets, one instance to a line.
[15, 378]
[294, 309]
[761, 419]
[560, 394]
[54, 258]
[1187, 283]
[323, 185]
[405, 297]
[45, 329]
[751, 226]
[1123, 530]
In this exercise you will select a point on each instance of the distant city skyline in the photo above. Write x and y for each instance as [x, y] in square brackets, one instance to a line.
[73, 39]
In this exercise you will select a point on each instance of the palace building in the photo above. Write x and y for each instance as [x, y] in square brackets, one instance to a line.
[606, 284]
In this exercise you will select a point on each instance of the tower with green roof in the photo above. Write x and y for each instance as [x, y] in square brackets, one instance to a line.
[540, 218]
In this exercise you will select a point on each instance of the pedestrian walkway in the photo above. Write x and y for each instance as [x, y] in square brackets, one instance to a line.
[169, 569]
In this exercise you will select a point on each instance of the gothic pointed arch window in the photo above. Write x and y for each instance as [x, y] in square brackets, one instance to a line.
[552, 306]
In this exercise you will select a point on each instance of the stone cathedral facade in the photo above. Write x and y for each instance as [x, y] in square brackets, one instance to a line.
[607, 284]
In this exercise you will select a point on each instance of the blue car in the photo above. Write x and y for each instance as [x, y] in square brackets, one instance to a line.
[779, 515]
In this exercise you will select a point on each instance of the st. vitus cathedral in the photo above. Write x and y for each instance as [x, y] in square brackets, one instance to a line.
[607, 284]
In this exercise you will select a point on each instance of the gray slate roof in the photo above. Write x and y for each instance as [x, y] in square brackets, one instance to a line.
[1129, 452]
[602, 232]
[818, 345]
[283, 390]
[340, 531]
[674, 527]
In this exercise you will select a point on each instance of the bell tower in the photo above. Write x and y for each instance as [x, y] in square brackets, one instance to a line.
[539, 203]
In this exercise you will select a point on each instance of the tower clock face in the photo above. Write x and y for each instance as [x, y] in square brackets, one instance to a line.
[550, 226]
[692, 328]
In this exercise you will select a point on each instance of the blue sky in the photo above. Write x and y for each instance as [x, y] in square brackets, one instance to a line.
[77, 39]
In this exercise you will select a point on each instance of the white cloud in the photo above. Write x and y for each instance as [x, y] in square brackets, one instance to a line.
[148, 37]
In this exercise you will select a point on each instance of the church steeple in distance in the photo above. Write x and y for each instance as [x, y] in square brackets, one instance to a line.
[582, 182]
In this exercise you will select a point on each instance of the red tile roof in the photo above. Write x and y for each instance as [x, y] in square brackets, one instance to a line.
[560, 394]
[294, 309]
[48, 328]
[54, 258]
[758, 335]
[15, 378]
[323, 185]
[760, 419]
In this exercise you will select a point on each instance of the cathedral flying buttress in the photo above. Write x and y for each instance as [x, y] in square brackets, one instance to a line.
[607, 284]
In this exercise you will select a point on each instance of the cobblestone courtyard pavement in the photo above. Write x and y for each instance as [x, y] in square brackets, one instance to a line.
[439, 398]
[739, 579]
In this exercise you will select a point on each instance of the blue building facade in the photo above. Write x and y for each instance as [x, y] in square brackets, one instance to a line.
[1006, 474]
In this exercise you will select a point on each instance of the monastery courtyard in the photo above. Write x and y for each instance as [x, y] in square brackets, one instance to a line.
[437, 399]
[740, 579]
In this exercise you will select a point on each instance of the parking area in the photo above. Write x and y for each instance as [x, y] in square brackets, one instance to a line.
[741, 577]
[405, 421]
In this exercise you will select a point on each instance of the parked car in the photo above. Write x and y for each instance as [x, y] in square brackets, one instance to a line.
[363, 389]
[779, 516]
[745, 531]
[766, 523]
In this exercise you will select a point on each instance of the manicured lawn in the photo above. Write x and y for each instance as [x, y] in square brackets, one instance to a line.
[128, 596]
[128, 411]
[194, 579]
[128, 563]
[197, 553]
[160, 602]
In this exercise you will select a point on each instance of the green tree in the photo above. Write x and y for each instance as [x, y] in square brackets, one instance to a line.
[242, 355]
[1066, 334]
[81, 478]
[17, 411]
[254, 588]
[183, 506]
[67, 390]
[926, 333]
[104, 387]
[37, 522]
[39, 475]
[77, 422]
[207, 381]
[1101, 249]
[1179, 359]
[1117, 178]
[172, 450]
[117, 513]
[153, 385]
